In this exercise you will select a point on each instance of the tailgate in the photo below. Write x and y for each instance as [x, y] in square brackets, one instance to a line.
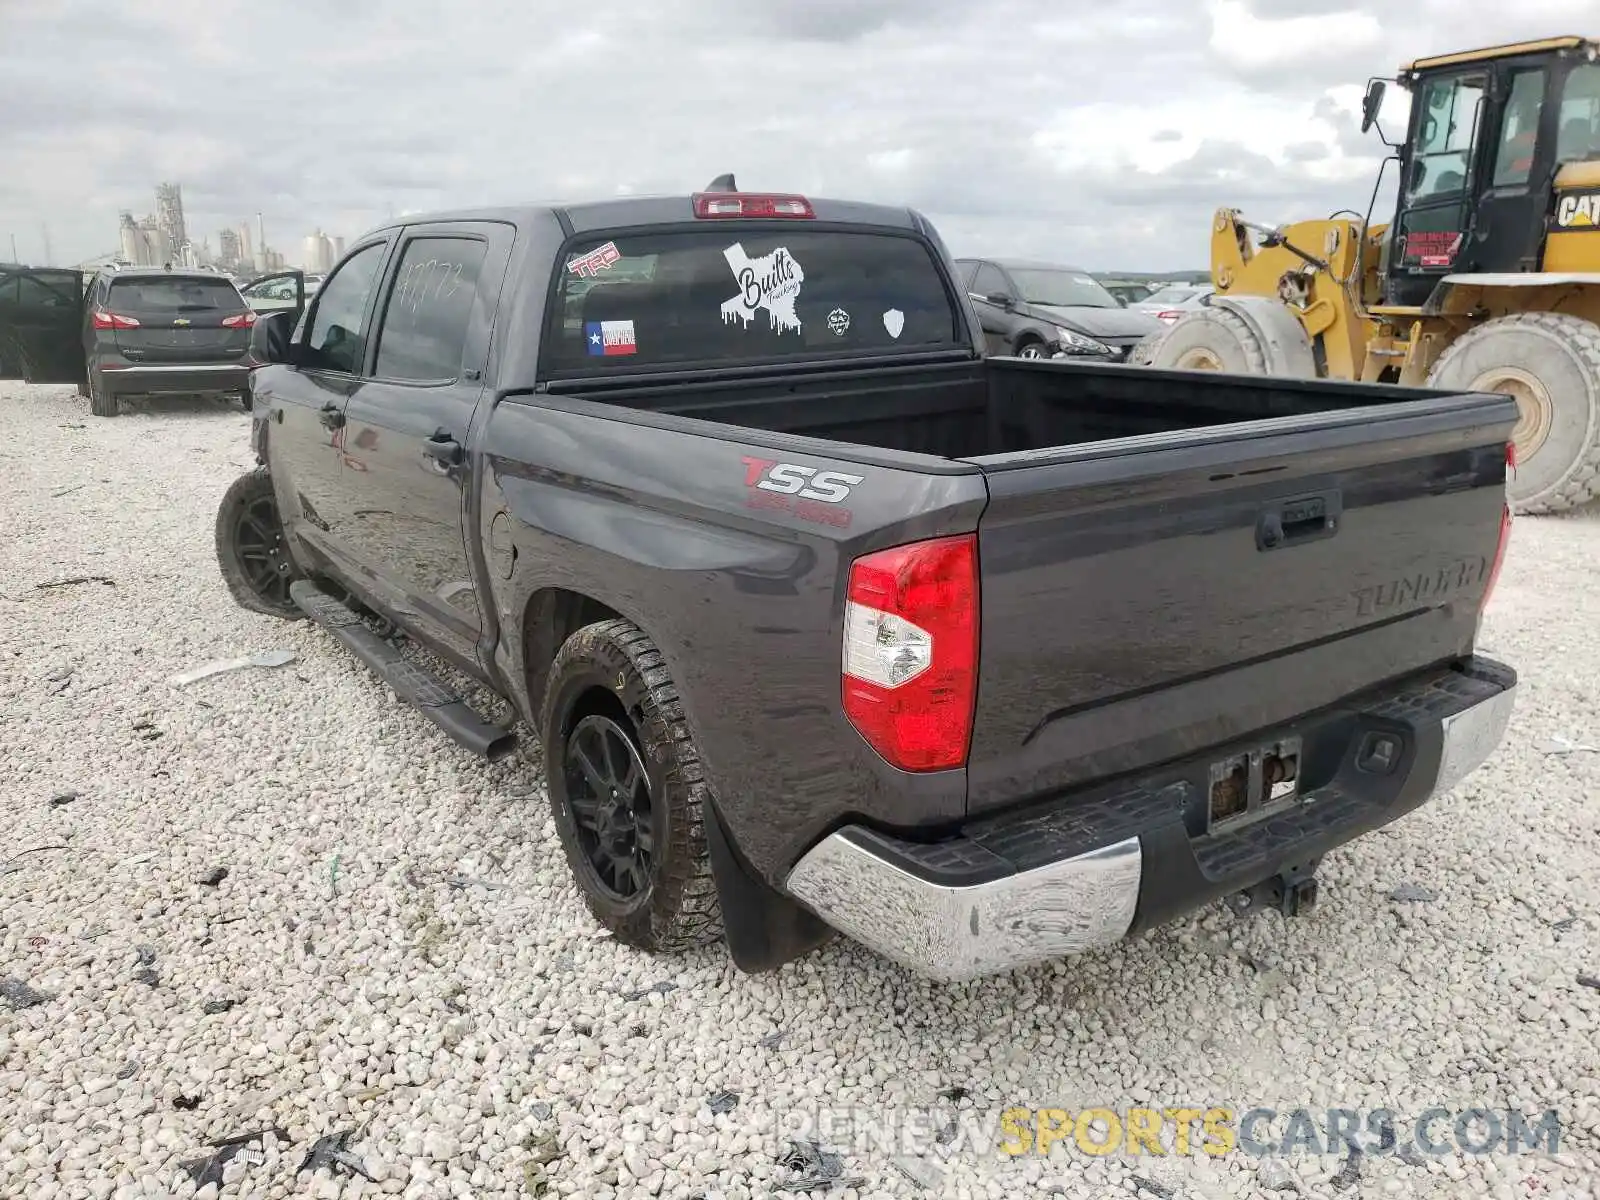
[1144, 598]
[179, 319]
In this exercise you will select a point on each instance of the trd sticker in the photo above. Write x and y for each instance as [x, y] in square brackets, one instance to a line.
[771, 282]
[1578, 210]
[1432, 249]
[839, 322]
[608, 338]
[801, 491]
[894, 321]
[597, 260]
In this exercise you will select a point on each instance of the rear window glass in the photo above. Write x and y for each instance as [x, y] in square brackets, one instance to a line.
[737, 295]
[175, 295]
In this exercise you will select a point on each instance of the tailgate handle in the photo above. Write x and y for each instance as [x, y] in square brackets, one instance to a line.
[1293, 522]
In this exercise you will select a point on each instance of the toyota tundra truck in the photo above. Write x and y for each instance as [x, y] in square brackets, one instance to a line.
[826, 622]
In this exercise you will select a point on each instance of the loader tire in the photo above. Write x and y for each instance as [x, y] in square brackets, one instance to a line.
[1144, 350]
[1549, 363]
[1210, 339]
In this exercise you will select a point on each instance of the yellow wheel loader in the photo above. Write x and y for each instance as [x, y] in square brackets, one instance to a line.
[1487, 278]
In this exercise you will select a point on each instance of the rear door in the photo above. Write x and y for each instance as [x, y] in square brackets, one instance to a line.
[176, 320]
[1144, 598]
[407, 428]
[41, 325]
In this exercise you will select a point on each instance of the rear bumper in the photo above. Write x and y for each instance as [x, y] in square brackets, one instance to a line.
[1088, 869]
[176, 378]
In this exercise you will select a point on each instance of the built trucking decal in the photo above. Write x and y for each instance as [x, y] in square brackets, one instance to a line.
[771, 281]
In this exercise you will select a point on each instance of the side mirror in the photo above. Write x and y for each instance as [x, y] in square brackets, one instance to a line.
[1371, 103]
[1000, 298]
[269, 336]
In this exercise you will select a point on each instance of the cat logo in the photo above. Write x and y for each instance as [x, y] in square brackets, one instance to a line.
[1578, 210]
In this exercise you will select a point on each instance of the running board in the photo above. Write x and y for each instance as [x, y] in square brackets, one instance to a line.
[414, 684]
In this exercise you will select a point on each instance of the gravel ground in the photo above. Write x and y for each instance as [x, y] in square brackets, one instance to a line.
[396, 949]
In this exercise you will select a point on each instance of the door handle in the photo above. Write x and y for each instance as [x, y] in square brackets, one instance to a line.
[442, 452]
[332, 416]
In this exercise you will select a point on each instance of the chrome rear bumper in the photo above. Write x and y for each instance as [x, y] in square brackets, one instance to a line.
[986, 901]
[960, 932]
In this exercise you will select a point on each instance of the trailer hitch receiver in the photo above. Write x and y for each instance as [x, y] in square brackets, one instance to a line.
[1292, 892]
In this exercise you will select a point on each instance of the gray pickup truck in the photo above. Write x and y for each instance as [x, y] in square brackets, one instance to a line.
[826, 622]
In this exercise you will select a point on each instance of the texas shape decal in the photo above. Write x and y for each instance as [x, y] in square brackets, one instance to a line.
[771, 282]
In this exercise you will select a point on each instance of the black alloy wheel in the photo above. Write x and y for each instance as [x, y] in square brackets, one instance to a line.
[627, 791]
[608, 791]
[258, 541]
[252, 550]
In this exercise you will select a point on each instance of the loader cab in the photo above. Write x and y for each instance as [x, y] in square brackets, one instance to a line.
[1487, 133]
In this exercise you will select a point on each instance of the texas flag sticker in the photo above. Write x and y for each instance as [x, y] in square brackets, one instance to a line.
[610, 337]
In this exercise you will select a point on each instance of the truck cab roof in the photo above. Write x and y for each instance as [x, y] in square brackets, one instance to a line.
[639, 211]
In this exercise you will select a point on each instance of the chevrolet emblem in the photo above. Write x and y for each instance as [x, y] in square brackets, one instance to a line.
[181, 321]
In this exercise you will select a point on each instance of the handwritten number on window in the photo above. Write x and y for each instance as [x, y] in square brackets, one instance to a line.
[424, 283]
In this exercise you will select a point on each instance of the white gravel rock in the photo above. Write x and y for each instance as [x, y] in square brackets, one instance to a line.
[476, 1038]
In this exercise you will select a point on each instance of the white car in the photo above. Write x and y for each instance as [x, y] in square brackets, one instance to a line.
[1172, 301]
[275, 293]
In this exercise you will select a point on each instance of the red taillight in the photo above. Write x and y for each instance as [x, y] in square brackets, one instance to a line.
[910, 671]
[715, 205]
[239, 320]
[105, 320]
[1505, 535]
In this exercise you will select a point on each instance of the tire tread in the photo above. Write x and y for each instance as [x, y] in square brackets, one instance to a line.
[691, 915]
[1582, 337]
[241, 490]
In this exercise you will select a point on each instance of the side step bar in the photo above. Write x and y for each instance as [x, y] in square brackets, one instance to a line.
[412, 683]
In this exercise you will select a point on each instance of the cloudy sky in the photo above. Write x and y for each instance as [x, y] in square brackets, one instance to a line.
[1102, 134]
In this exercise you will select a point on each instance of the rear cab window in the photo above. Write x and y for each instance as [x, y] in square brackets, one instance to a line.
[178, 294]
[734, 294]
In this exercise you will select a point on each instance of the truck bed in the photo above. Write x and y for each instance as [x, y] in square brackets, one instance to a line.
[1134, 605]
[968, 409]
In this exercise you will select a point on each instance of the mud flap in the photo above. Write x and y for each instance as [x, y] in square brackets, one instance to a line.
[764, 928]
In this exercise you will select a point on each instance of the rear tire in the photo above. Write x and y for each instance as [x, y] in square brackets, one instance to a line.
[101, 402]
[610, 691]
[1210, 339]
[251, 549]
[1549, 363]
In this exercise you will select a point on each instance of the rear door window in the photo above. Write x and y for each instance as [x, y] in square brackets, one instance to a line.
[176, 295]
[734, 295]
[424, 327]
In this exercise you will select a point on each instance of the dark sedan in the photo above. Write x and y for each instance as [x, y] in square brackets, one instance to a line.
[1043, 310]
